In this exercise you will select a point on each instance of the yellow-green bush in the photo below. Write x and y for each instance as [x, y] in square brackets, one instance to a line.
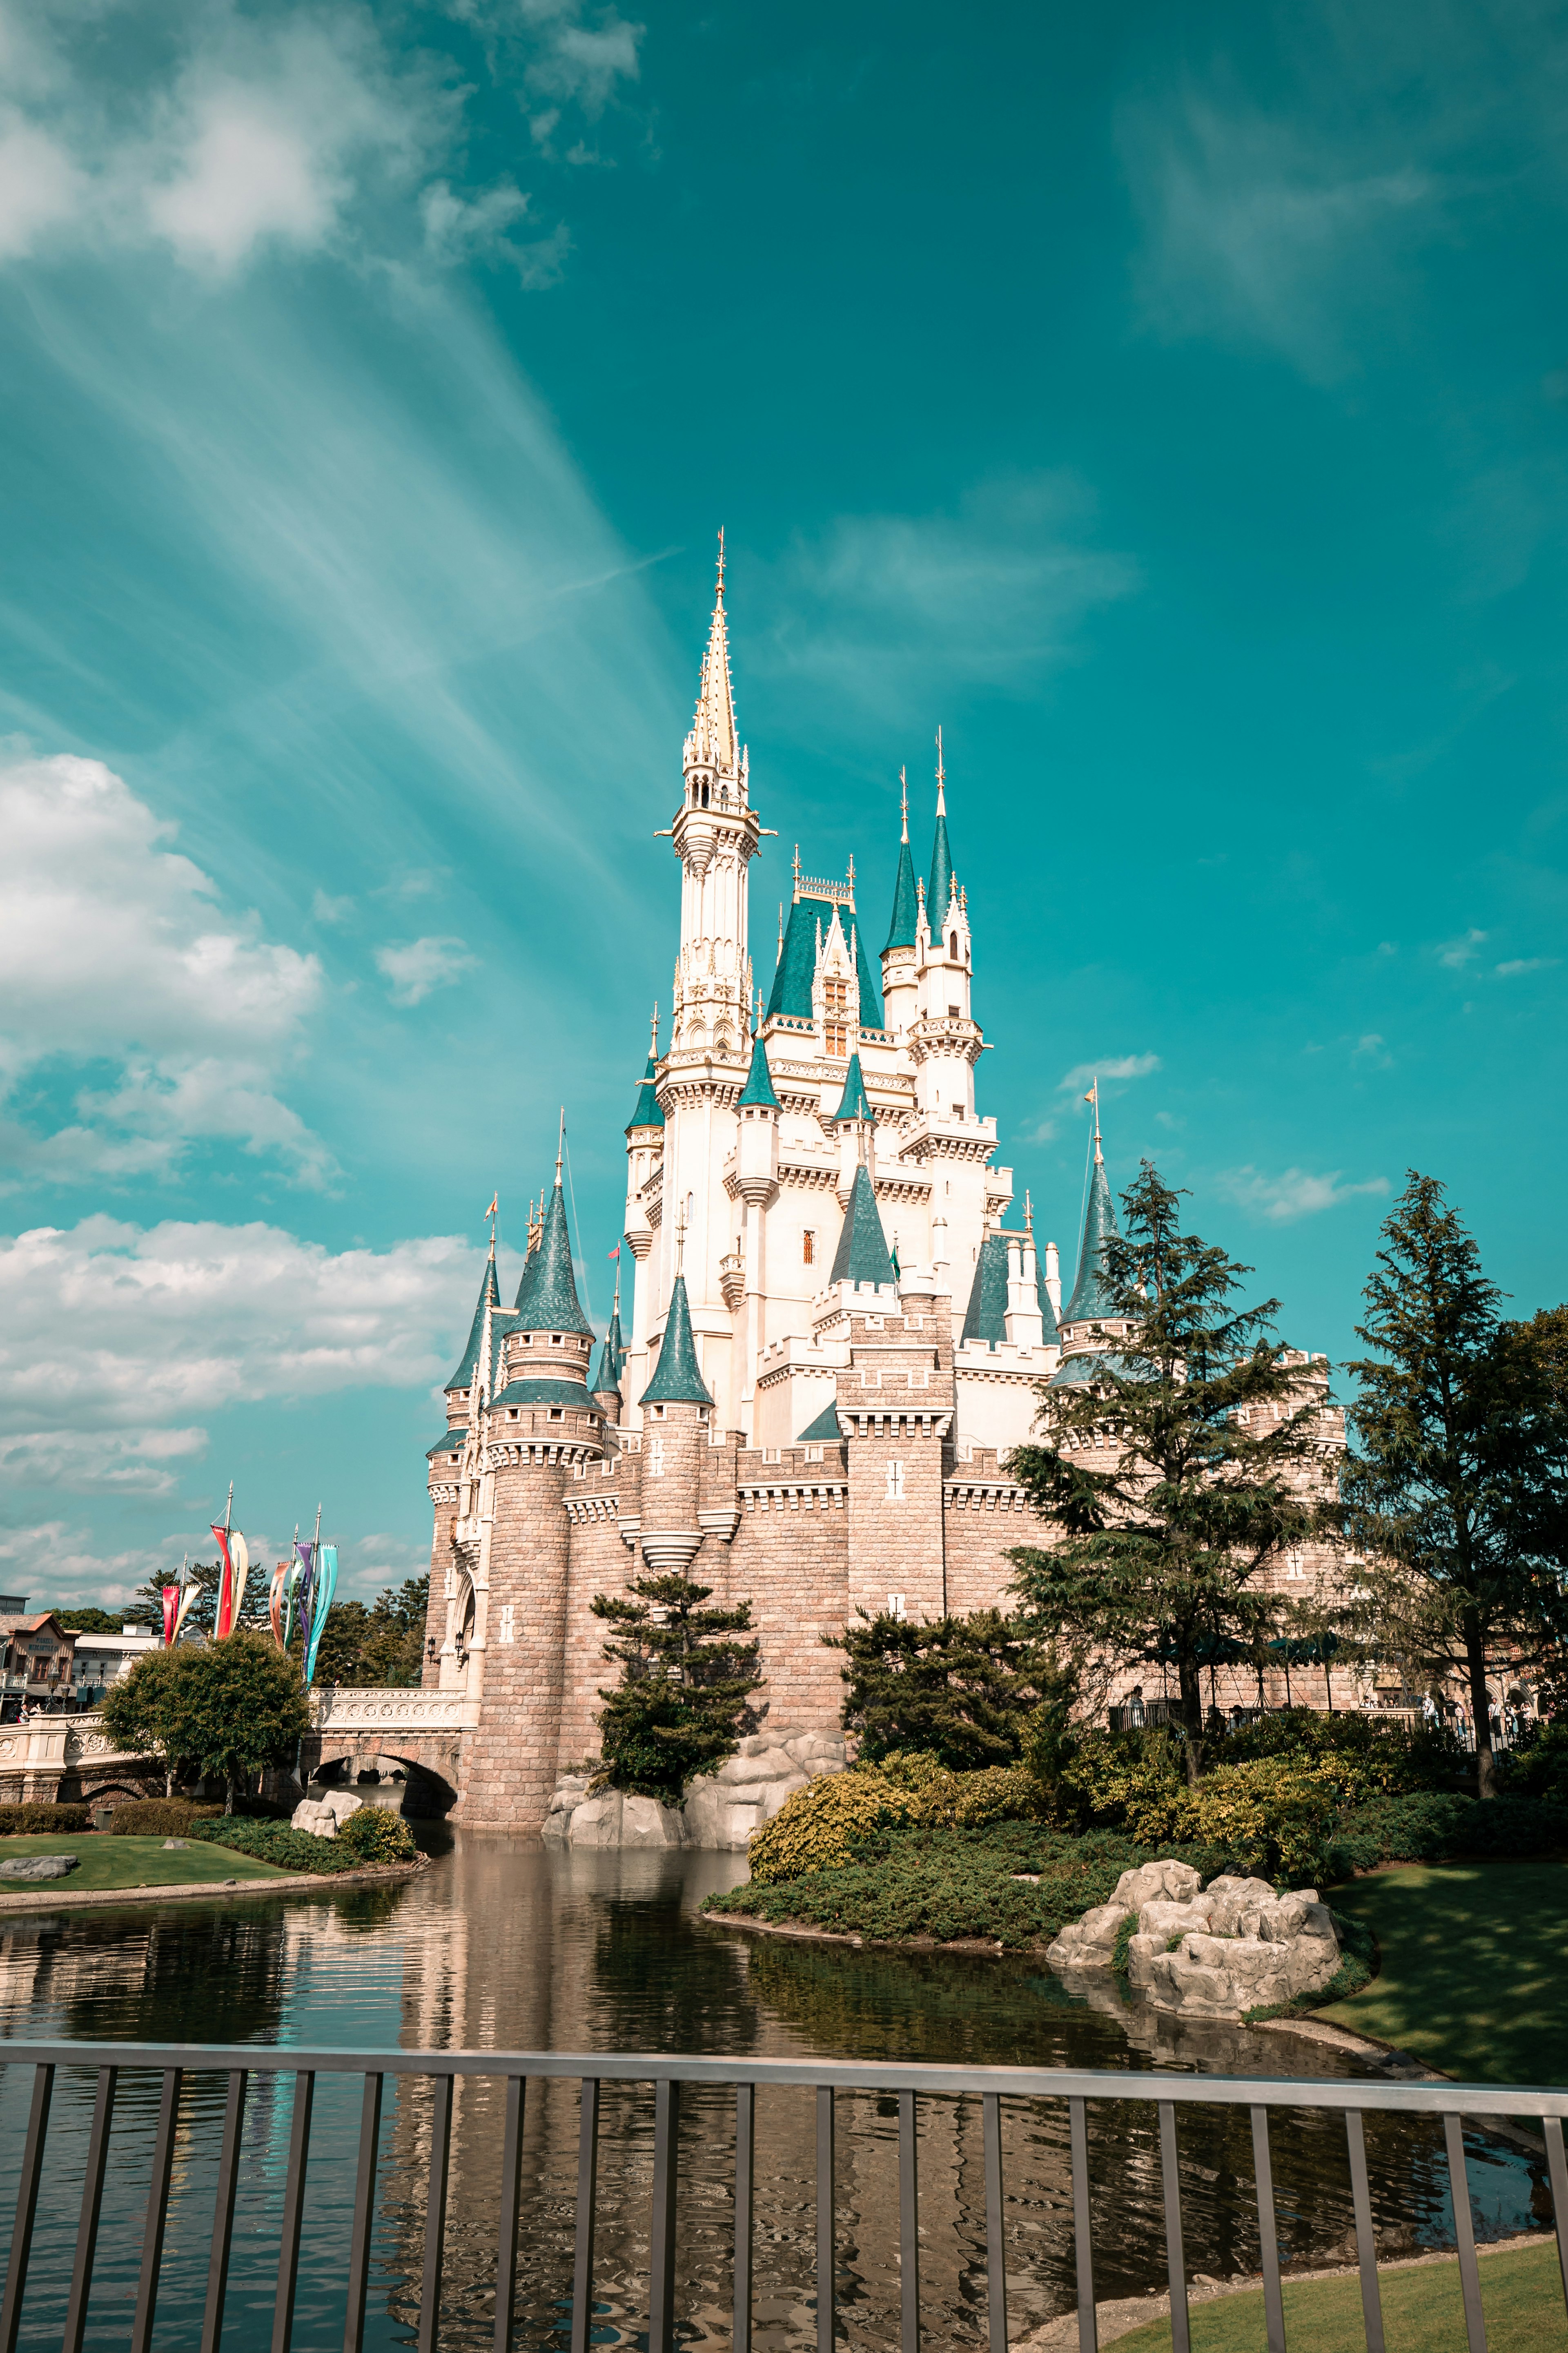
[812, 1830]
[1273, 1815]
[994, 1793]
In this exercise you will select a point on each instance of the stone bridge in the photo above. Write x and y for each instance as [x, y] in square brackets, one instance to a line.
[72, 1760]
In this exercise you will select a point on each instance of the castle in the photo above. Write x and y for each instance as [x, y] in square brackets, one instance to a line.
[834, 1340]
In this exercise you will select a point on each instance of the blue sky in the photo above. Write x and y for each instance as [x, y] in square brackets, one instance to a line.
[1173, 405]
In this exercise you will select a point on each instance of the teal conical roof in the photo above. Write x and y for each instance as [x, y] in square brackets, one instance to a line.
[1091, 1298]
[646, 1113]
[677, 1379]
[759, 1086]
[489, 1296]
[547, 1295]
[823, 1430]
[939, 890]
[855, 1104]
[862, 1252]
[902, 930]
[612, 1357]
[986, 1318]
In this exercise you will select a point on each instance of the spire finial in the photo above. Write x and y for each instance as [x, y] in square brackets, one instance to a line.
[904, 805]
[560, 1147]
[653, 1040]
[1093, 1097]
[852, 878]
[721, 562]
[798, 869]
[1028, 1213]
[940, 779]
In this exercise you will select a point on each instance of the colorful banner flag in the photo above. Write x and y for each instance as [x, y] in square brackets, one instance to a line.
[291, 1596]
[190, 1586]
[326, 1586]
[275, 1604]
[239, 1552]
[614, 1254]
[223, 1621]
[171, 1613]
[307, 1559]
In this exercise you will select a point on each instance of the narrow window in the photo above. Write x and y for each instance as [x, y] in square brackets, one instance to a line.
[895, 1483]
[953, 947]
[656, 1458]
[898, 1605]
[808, 1248]
[507, 1622]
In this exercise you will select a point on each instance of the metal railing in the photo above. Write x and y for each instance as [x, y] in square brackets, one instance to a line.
[1451, 2104]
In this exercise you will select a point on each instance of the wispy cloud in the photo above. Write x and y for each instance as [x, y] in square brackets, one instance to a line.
[1113, 1068]
[115, 950]
[994, 593]
[1296, 1193]
[420, 965]
[1517, 964]
[1458, 953]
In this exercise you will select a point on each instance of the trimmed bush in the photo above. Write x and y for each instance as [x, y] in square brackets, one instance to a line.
[376, 1835]
[1432, 1826]
[816, 1829]
[160, 1817]
[995, 1793]
[37, 1820]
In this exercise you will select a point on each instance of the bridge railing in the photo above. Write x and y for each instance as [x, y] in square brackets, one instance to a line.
[177, 2064]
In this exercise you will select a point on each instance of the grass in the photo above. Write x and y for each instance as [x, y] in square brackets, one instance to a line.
[1472, 1977]
[1423, 2312]
[105, 1861]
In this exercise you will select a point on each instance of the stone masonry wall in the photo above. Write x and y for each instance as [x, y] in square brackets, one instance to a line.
[790, 1559]
[985, 1514]
[510, 1761]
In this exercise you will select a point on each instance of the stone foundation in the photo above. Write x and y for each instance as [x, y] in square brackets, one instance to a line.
[722, 1809]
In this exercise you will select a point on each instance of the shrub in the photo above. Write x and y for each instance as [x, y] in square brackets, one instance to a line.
[815, 1829]
[1379, 1753]
[1432, 1826]
[160, 1817]
[962, 1691]
[995, 1793]
[376, 1835]
[1541, 1769]
[39, 1820]
[276, 1842]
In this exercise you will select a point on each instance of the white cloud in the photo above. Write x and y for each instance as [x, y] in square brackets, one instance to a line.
[117, 1340]
[113, 949]
[1295, 1193]
[420, 965]
[1517, 964]
[41, 187]
[1458, 953]
[1116, 1066]
[325, 910]
[992, 594]
[1373, 1049]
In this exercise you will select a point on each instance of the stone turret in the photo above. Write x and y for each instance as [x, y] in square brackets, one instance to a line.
[677, 1409]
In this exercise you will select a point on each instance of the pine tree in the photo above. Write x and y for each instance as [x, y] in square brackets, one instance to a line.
[1456, 1487]
[681, 1706]
[963, 1690]
[1163, 1549]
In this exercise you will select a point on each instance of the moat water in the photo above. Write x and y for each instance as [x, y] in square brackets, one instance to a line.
[501, 1944]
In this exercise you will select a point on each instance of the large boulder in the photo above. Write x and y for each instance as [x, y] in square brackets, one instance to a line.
[38, 1866]
[723, 1809]
[323, 1816]
[1212, 1952]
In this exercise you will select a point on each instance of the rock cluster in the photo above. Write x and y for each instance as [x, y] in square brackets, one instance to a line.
[721, 1811]
[322, 1816]
[1207, 1952]
[38, 1866]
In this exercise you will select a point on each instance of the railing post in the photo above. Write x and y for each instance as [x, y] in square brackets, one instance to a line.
[26, 2206]
[1175, 2255]
[745, 2193]
[436, 2213]
[1465, 2233]
[1366, 2237]
[293, 2212]
[825, 2315]
[1273, 2302]
[909, 2228]
[1552, 2130]
[92, 2207]
[995, 2250]
[157, 2213]
[1083, 2244]
[364, 2212]
[510, 2200]
[223, 2216]
[583, 2259]
[661, 2233]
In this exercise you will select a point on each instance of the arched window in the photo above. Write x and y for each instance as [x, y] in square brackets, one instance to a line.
[953, 947]
[704, 796]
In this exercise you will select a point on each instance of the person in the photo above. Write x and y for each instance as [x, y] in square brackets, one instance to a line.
[1429, 1711]
[1135, 1708]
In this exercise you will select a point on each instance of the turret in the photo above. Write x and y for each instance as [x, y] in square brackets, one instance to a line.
[472, 1371]
[715, 833]
[1091, 1320]
[676, 1411]
[944, 1039]
[605, 1382]
[862, 1258]
[854, 1123]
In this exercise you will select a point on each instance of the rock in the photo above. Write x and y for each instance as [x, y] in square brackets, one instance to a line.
[597, 1823]
[1241, 1947]
[38, 1866]
[645, 1823]
[180, 1843]
[1087, 1944]
[323, 1816]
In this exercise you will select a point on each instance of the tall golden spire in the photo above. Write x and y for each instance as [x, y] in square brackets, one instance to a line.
[714, 742]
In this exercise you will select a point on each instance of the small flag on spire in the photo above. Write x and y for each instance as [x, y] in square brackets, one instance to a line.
[614, 1254]
[495, 1204]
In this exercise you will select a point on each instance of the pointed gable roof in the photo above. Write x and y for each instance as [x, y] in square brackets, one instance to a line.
[677, 1377]
[824, 1430]
[645, 1111]
[547, 1295]
[714, 739]
[489, 1296]
[1090, 1297]
[612, 1357]
[986, 1318]
[854, 1103]
[759, 1086]
[797, 964]
[862, 1252]
[939, 890]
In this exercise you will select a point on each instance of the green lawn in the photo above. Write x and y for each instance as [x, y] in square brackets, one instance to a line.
[1423, 2312]
[107, 1861]
[1472, 1977]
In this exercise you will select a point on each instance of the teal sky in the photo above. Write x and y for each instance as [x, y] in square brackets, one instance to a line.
[1174, 404]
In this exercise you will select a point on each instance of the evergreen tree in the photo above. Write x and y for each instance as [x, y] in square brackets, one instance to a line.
[681, 1706]
[963, 1690]
[1456, 1487]
[1170, 1506]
